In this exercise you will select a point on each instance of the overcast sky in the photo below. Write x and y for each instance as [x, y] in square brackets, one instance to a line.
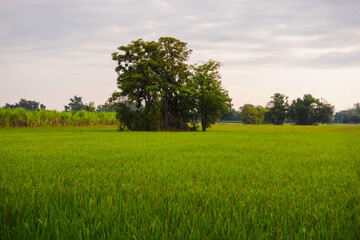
[52, 50]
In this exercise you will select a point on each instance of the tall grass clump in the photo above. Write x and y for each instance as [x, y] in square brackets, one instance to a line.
[20, 117]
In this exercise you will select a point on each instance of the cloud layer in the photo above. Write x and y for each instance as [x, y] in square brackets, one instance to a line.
[70, 42]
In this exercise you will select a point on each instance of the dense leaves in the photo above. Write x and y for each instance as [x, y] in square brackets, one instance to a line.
[253, 115]
[158, 90]
[310, 111]
[210, 98]
[277, 109]
[306, 111]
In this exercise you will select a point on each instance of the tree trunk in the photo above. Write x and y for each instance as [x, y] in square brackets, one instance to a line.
[203, 123]
[166, 114]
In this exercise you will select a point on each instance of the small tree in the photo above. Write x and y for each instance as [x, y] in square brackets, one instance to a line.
[262, 112]
[324, 111]
[75, 104]
[211, 99]
[310, 111]
[90, 107]
[249, 114]
[278, 106]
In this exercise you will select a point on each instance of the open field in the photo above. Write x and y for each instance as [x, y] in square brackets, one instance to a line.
[232, 182]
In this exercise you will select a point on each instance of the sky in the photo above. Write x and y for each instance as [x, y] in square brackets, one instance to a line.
[53, 50]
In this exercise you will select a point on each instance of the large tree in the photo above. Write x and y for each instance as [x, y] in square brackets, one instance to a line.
[211, 99]
[172, 73]
[138, 82]
[152, 76]
[277, 109]
[167, 92]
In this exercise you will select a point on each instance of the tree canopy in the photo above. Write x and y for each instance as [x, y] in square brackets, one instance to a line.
[210, 98]
[310, 111]
[278, 106]
[250, 114]
[160, 91]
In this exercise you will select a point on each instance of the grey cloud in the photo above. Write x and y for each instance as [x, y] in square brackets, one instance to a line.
[256, 27]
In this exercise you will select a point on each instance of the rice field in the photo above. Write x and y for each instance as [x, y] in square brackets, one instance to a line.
[231, 182]
[20, 117]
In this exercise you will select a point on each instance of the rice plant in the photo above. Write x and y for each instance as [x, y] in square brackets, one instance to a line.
[232, 182]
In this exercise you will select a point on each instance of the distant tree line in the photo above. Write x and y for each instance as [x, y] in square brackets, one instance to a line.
[305, 111]
[232, 115]
[302, 111]
[76, 104]
[351, 115]
[28, 105]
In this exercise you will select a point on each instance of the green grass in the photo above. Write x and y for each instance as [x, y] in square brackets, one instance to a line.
[230, 121]
[232, 182]
[20, 117]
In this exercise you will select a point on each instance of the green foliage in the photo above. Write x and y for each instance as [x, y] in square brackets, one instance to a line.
[310, 111]
[252, 115]
[140, 119]
[342, 117]
[25, 104]
[235, 182]
[356, 118]
[20, 117]
[107, 107]
[230, 116]
[164, 89]
[278, 107]
[90, 107]
[210, 98]
[75, 104]
[262, 112]
[348, 116]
